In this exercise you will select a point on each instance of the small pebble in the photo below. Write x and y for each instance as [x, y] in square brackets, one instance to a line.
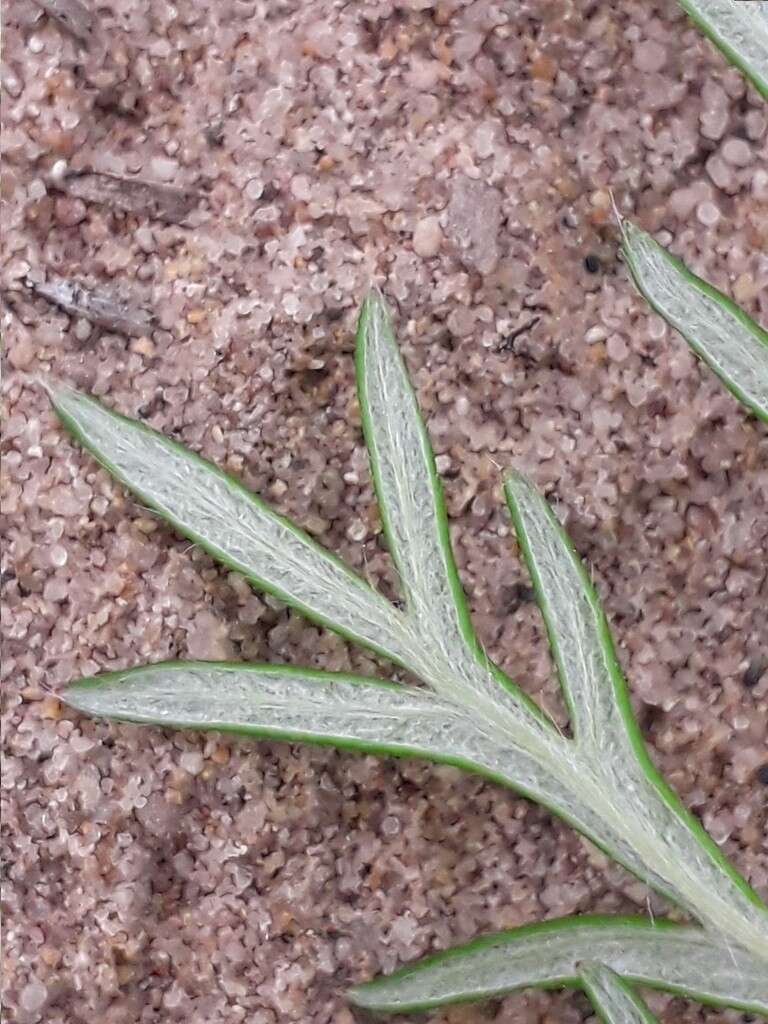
[56, 590]
[390, 826]
[145, 238]
[427, 237]
[617, 348]
[58, 556]
[650, 56]
[33, 996]
[595, 334]
[70, 211]
[83, 329]
[11, 84]
[708, 214]
[163, 169]
[59, 171]
[191, 761]
[737, 152]
[36, 189]
[754, 672]
[357, 530]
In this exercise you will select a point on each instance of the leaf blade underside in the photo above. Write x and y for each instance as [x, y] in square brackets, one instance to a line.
[295, 704]
[733, 346]
[675, 958]
[274, 700]
[407, 486]
[577, 630]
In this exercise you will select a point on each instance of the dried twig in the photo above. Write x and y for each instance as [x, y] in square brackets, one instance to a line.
[168, 203]
[103, 309]
[73, 16]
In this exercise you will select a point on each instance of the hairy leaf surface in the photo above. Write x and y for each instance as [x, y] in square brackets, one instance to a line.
[279, 701]
[445, 651]
[232, 524]
[612, 762]
[613, 999]
[601, 781]
[549, 955]
[294, 703]
[500, 736]
[407, 485]
[721, 334]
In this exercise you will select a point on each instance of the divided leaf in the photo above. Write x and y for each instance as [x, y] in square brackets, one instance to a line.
[675, 958]
[613, 999]
[217, 512]
[739, 28]
[721, 334]
[497, 730]
[602, 782]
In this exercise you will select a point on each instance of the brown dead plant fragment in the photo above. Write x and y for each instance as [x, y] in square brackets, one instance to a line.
[73, 16]
[121, 314]
[143, 198]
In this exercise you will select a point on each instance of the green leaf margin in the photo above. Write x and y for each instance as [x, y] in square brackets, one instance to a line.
[722, 43]
[359, 995]
[444, 538]
[212, 549]
[697, 283]
[620, 688]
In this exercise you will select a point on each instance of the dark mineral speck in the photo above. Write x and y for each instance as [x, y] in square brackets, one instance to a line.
[592, 263]
[754, 672]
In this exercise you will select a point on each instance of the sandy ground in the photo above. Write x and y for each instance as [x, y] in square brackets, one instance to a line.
[459, 154]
